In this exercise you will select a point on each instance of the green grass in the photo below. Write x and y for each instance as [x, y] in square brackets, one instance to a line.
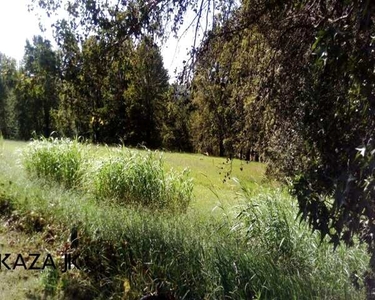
[60, 160]
[126, 176]
[208, 174]
[19, 283]
[256, 250]
[131, 177]
[199, 258]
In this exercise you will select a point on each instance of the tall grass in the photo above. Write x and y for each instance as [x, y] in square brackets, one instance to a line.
[189, 256]
[269, 222]
[132, 177]
[128, 177]
[60, 160]
[262, 252]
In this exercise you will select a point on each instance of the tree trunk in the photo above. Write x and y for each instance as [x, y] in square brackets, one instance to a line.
[47, 122]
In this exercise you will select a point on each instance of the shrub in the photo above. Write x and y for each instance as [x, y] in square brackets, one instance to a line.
[59, 160]
[136, 178]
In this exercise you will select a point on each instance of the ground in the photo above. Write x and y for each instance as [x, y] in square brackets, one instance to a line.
[19, 283]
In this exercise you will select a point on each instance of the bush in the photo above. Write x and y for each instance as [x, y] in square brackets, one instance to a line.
[136, 178]
[59, 160]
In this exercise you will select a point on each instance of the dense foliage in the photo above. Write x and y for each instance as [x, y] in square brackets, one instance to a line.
[8, 125]
[319, 90]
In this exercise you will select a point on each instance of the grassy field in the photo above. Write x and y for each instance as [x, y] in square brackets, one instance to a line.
[208, 173]
[250, 247]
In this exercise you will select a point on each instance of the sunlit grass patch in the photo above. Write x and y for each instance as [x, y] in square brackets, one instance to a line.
[131, 177]
[60, 160]
[263, 254]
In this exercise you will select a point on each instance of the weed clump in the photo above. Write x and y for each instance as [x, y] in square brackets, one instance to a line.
[55, 159]
[136, 178]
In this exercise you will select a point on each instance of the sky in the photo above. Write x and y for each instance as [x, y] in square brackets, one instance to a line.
[17, 25]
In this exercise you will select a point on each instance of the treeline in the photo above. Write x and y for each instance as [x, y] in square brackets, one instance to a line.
[87, 90]
[121, 94]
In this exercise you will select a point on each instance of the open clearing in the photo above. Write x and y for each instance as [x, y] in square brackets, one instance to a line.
[207, 172]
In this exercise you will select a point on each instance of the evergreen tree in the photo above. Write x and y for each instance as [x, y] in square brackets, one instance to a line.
[146, 95]
[36, 90]
[8, 74]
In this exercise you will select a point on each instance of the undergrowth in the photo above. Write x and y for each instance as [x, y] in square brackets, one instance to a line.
[133, 252]
[258, 251]
[1, 143]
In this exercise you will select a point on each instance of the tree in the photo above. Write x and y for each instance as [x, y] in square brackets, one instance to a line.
[319, 92]
[316, 106]
[111, 95]
[146, 95]
[320, 87]
[175, 130]
[92, 86]
[225, 84]
[8, 73]
[36, 91]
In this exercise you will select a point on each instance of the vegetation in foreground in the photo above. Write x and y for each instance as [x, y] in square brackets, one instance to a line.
[124, 176]
[257, 250]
